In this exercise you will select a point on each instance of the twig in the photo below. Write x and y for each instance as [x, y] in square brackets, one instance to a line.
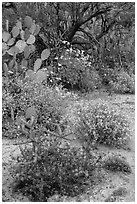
[23, 142]
[18, 143]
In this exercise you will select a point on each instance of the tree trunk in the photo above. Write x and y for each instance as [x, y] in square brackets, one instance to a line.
[71, 32]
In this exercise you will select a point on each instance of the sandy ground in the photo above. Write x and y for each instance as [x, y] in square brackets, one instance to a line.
[126, 104]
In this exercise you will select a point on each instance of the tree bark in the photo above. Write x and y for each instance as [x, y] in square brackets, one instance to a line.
[71, 32]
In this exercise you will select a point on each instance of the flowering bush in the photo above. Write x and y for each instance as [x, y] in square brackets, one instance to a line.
[98, 124]
[116, 163]
[124, 83]
[76, 71]
[64, 171]
[49, 103]
[107, 74]
[10, 108]
[91, 80]
[105, 125]
[45, 168]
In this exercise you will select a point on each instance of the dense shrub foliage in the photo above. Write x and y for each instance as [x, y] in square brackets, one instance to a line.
[76, 71]
[49, 103]
[99, 124]
[114, 197]
[124, 83]
[107, 74]
[66, 171]
[117, 164]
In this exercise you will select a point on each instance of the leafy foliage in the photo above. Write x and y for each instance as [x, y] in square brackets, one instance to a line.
[64, 171]
[107, 74]
[50, 103]
[98, 123]
[117, 164]
[121, 191]
[76, 71]
[124, 83]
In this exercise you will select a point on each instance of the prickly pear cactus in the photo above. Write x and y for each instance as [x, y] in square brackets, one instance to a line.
[21, 40]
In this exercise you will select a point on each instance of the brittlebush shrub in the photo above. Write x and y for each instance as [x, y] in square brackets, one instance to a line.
[10, 106]
[91, 81]
[116, 164]
[99, 124]
[124, 83]
[78, 73]
[63, 171]
[107, 74]
[49, 103]
[104, 125]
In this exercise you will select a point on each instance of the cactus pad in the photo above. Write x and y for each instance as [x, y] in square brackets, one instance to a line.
[45, 54]
[37, 64]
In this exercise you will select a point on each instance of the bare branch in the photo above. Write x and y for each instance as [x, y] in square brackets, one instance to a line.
[85, 8]
[94, 15]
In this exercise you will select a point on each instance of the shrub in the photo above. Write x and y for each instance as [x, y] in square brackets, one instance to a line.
[116, 164]
[99, 124]
[91, 80]
[107, 74]
[9, 129]
[120, 192]
[76, 72]
[46, 168]
[124, 83]
[10, 107]
[48, 102]
[58, 171]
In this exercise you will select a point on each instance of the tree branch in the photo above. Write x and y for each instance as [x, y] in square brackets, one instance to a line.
[106, 30]
[85, 8]
[94, 15]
